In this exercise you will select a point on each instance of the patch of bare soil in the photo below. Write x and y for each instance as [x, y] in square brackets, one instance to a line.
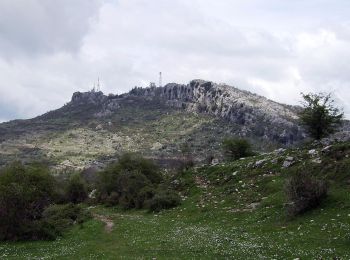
[109, 224]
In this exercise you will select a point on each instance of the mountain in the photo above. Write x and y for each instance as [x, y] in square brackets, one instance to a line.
[93, 128]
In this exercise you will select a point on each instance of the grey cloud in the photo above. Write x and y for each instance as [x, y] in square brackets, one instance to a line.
[44, 26]
[270, 47]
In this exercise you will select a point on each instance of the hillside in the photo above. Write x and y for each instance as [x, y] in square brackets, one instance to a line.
[93, 128]
[232, 210]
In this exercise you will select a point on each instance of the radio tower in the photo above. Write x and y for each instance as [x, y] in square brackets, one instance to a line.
[160, 79]
[98, 84]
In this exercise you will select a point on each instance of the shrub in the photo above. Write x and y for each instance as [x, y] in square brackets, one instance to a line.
[136, 163]
[134, 182]
[236, 148]
[24, 194]
[58, 218]
[164, 200]
[108, 179]
[112, 199]
[76, 190]
[129, 182]
[144, 196]
[304, 193]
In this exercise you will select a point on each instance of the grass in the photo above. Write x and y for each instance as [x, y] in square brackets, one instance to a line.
[73, 133]
[187, 232]
[229, 211]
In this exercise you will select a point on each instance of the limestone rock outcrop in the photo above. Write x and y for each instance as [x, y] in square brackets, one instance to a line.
[255, 114]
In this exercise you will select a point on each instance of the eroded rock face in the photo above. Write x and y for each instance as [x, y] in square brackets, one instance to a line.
[257, 115]
[107, 104]
[88, 97]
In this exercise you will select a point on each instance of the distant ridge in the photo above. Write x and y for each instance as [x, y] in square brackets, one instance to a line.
[266, 118]
[93, 128]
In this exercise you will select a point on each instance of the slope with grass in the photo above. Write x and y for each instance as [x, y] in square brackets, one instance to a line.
[92, 128]
[232, 210]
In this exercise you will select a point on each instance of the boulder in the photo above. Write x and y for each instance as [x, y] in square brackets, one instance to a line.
[260, 163]
[288, 161]
[313, 152]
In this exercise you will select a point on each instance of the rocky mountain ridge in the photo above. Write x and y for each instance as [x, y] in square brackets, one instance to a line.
[255, 114]
[94, 128]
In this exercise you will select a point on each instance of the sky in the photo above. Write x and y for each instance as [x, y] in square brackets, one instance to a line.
[275, 48]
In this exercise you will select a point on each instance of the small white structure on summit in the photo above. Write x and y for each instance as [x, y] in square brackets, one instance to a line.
[160, 79]
[97, 87]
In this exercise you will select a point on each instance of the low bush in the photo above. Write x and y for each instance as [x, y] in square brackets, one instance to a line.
[129, 182]
[132, 163]
[164, 200]
[27, 212]
[58, 218]
[135, 182]
[76, 190]
[304, 193]
[235, 148]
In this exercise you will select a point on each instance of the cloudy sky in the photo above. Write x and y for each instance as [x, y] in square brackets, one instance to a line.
[276, 48]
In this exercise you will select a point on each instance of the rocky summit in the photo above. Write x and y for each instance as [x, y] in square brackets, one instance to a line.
[256, 115]
[93, 128]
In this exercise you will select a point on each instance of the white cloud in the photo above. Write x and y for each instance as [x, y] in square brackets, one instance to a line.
[274, 48]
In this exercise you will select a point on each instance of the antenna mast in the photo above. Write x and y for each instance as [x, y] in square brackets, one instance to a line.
[160, 79]
[98, 84]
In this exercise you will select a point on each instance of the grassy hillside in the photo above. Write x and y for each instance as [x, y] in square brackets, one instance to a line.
[74, 137]
[232, 210]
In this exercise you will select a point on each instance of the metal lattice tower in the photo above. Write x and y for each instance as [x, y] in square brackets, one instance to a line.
[98, 84]
[160, 79]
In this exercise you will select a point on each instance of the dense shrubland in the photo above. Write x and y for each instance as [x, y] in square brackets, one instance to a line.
[35, 205]
[76, 189]
[235, 148]
[26, 195]
[134, 182]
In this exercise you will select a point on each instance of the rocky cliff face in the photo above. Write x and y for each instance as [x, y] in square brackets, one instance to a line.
[256, 115]
[107, 104]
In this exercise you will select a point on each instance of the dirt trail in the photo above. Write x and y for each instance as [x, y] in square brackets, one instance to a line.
[109, 224]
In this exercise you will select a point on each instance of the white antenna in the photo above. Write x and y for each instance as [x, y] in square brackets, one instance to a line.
[160, 79]
[98, 84]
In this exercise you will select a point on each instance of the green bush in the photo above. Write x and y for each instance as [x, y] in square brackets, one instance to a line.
[304, 193]
[136, 163]
[26, 209]
[58, 218]
[108, 179]
[134, 182]
[24, 194]
[144, 196]
[76, 190]
[164, 200]
[129, 182]
[235, 148]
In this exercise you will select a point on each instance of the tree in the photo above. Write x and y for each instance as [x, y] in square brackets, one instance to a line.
[25, 191]
[235, 148]
[320, 116]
